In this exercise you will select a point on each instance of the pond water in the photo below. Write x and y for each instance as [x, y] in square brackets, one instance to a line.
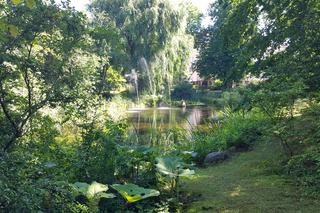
[150, 125]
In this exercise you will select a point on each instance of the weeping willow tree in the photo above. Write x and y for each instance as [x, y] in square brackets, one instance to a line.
[151, 37]
[171, 65]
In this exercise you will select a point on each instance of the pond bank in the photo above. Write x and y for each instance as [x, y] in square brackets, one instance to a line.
[247, 183]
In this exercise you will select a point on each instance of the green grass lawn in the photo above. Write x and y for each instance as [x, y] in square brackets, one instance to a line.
[247, 183]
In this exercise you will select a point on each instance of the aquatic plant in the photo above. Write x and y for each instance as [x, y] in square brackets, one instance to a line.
[93, 192]
[133, 193]
[174, 168]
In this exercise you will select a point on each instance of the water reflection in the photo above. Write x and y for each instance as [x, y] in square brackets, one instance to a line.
[147, 127]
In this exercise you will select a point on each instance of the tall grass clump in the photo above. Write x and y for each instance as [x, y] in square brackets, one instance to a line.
[236, 130]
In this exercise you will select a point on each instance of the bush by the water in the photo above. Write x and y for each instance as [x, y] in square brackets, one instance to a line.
[236, 99]
[183, 91]
[235, 130]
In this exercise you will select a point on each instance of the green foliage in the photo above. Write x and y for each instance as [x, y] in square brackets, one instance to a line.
[93, 190]
[289, 36]
[194, 19]
[37, 63]
[183, 91]
[238, 99]
[277, 97]
[151, 100]
[235, 130]
[172, 167]
[232, 99]
[58, 70]
[110, 82]
[218, 83]
[99, 146]
[135, 164]
[117, 108]
[16, 2]
[128, 18]
[133, 193]
[313, 111]
[222, 45]
[27, 185]
[302, 135]
[270, 40]
[209, 98]
[150, 37]
[305, 169]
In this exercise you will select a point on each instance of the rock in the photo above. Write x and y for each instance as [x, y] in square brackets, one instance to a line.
[229, 152]
[232, 149]
[215, 157]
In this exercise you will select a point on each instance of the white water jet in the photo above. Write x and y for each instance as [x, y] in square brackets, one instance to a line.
[145, 67]
[134, 76]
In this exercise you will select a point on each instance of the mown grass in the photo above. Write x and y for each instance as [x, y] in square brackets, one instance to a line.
[249, 182]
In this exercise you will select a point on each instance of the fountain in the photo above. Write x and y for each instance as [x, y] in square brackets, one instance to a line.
[134, 76]
[144, 67]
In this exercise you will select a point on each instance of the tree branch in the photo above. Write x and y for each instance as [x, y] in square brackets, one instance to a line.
[16, 130]
[27, 80]
[6, 111]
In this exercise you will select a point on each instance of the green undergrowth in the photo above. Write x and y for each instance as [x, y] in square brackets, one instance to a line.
[236, 130]
[249, 182]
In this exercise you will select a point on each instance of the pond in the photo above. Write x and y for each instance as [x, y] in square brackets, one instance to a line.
[149, 126]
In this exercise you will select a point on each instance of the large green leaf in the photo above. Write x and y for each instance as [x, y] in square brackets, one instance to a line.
[30, 3]
[13, 30]
[173, 167]
[81, 187]
[105, 195]
[94, 189]
[133, 193]
[16, 2]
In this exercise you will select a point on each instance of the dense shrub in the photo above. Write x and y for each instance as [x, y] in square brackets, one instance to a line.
[151, 100]
[28, 185]
[210, 98]
[232, 99]
[239, 99]
[135, 164]
[305, 168]
[97, 153]
[218, 84]
[313, 110]
[234, 130]
[183, 91]
[236, 99]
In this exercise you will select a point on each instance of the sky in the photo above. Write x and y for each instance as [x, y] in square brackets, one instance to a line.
[201, 4]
